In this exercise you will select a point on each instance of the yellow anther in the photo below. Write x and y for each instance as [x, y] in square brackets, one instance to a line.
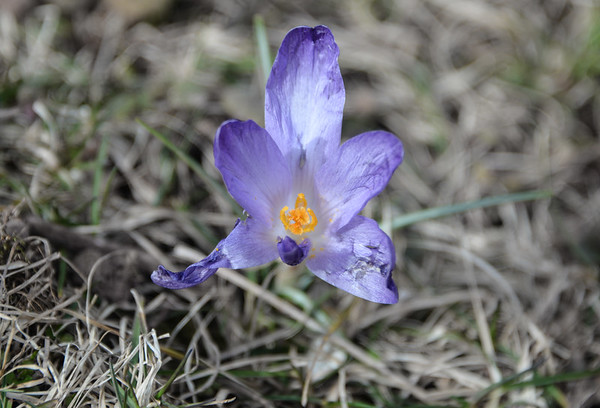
[299, 215]
[300, 219]
[313, 221]
[284, 218]
[301, 201]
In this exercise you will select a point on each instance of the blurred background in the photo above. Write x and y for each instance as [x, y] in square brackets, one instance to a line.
[499, 307]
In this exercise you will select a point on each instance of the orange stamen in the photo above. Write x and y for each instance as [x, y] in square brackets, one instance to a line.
[300, 219]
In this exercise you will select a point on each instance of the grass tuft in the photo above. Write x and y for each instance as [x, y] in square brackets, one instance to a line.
[107, 120]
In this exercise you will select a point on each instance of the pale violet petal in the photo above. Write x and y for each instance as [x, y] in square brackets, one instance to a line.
[253, 167]
[355, 173]
[305, 98]
[249, 244]
[358, 259]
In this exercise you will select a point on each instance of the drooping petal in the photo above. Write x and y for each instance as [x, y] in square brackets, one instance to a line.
[290, 252]
[356, 172]
[247, 245]
[252, 166]
[358, 259]
[305, 97]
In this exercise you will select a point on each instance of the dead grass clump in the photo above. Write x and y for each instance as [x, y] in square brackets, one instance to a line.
[499, 306]
[53, 351]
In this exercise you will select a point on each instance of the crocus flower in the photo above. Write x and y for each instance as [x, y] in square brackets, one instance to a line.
[302, 191]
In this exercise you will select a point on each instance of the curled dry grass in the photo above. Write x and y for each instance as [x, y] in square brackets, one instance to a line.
[499, 307]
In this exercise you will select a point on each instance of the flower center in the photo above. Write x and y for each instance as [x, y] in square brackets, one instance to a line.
[300, 219]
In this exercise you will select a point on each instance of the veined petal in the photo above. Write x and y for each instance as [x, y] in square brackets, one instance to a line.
[246, 246]
[305, 97]
[252, 166]
[356, 172]
[358, 259]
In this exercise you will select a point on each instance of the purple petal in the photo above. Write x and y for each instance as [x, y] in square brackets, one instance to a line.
[358, 171]
[290, 252]
[305, 97]
[249, 244]
[359, 260]
[252, 166]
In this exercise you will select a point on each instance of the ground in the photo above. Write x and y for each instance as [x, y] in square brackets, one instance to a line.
[107, 118]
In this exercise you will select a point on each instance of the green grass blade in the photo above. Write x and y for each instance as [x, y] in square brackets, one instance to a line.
[97, 197]
[168, 171]
[558, 396]
[262, 44]
[192, 164]
[437, 212]
[135, 337]
[118, 390]
[504, 382]
[179, 368]
[512, 382]
[555, 379]
[126, 396]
